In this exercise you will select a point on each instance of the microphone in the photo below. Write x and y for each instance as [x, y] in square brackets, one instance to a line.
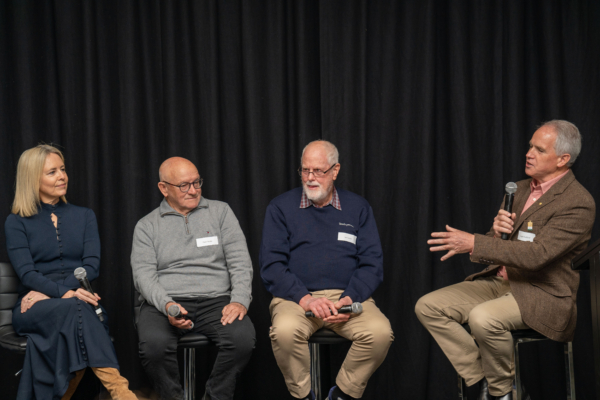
[81, 276]
[355, 308]
[175, 312]
[511, 189]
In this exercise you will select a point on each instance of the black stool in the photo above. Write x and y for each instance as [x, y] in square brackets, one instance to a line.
[189, 342]
[524, 336]
[9, 283]
[322, 336]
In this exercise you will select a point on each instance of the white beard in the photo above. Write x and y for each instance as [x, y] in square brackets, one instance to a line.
[316, 196]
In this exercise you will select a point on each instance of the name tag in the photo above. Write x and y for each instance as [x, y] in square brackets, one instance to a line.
[346, 237]
[207, 241]
[526, 236]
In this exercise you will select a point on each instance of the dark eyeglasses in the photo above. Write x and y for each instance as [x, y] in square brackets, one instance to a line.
[305, 172]
[185, 187]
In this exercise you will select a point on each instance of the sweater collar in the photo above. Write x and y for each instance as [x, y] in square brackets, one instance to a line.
[165, 208]
[53, 207]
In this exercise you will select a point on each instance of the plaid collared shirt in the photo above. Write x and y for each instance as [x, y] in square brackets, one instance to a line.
[335, 201]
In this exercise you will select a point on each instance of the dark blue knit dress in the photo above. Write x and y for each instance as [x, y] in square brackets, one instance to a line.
[63, 335]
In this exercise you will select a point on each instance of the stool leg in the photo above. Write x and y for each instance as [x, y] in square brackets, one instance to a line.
[189, 371]
[518, 372]
[462, 390]
[315, 370]
[570, 371]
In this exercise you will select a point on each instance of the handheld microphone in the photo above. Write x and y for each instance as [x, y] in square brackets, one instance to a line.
[511, 189]
[81, 275]
[355, 308]
[175, 312]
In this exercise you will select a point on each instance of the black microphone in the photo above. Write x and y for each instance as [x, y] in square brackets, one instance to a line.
[175, 312]
[511, 189]
[355, 308]
[81, 276]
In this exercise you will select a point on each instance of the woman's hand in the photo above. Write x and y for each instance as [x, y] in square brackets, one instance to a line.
[30, 299]
[83, 295]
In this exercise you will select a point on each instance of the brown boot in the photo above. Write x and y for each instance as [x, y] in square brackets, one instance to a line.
[117, 386]
[73, 384]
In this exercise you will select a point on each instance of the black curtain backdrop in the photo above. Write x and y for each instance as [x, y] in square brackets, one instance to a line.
[431, 104]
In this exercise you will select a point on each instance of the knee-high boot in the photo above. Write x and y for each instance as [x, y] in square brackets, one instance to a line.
[117, 386]
[73, 385]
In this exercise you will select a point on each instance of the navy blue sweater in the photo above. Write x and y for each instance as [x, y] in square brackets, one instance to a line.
[301, 250]
[43, 257]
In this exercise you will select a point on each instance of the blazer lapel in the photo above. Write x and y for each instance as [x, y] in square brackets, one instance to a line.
[523, 187]
[546, 198]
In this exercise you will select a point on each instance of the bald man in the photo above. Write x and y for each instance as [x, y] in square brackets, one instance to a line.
[190, 252]
[320, 251]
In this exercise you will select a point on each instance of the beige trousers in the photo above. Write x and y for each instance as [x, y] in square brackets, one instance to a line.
[492, 312]
[370, 332]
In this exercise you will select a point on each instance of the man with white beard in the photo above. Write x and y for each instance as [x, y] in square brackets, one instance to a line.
[317, 256]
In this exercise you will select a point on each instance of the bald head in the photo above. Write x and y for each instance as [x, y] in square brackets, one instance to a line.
[172, 167]
[173, 173]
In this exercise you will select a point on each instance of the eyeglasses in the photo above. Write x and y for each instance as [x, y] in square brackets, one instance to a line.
[185, 187]
[305, 172]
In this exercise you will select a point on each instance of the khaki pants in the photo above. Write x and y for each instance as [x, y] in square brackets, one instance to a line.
[492, 312]
[370, 332]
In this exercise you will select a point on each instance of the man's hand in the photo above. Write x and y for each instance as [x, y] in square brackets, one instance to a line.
[455, 241]
[232, 311]
[83, 295]
[180, 323]
[320, 307]
[30, 299]
[345, 301]
[504, 223]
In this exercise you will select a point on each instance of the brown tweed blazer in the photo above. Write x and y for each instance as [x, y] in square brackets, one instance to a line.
[540, 274]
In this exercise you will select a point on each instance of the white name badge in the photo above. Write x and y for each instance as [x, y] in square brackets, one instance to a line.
[207, 241]
[346, 237]
[526, 236]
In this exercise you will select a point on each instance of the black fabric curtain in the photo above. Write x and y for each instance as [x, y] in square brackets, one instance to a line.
[431, 104]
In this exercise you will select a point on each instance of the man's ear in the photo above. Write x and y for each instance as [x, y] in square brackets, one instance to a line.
[563, 160]
[163, 188]
[336, 171]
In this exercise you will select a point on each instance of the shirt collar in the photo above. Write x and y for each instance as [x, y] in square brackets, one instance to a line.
[305, 202]
[544, 187]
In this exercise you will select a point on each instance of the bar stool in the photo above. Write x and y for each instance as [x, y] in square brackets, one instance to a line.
[322, 336]
[525, 336]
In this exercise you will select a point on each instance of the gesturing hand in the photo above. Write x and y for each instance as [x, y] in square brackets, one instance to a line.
[30, 299]
[455, 241]
[345, 301]
[232, 311]
[504, 223]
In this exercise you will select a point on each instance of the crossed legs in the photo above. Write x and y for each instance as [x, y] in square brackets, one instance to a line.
[491, 311]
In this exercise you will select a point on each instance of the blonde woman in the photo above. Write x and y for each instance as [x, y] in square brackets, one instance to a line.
[47, 239]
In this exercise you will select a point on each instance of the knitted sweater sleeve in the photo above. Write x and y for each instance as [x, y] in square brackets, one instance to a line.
[369, 274]
[274, 256]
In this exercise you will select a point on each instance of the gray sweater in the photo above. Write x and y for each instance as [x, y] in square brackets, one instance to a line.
[203, 254]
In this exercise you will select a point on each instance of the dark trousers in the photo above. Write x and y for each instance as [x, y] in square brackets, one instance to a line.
[158, 346]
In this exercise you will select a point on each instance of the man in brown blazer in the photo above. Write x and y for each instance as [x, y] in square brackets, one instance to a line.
[528, 282]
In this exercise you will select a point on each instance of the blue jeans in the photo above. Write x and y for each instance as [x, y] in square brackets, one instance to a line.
[158, 346]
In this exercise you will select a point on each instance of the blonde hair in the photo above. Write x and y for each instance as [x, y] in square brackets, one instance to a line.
[29, 174]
